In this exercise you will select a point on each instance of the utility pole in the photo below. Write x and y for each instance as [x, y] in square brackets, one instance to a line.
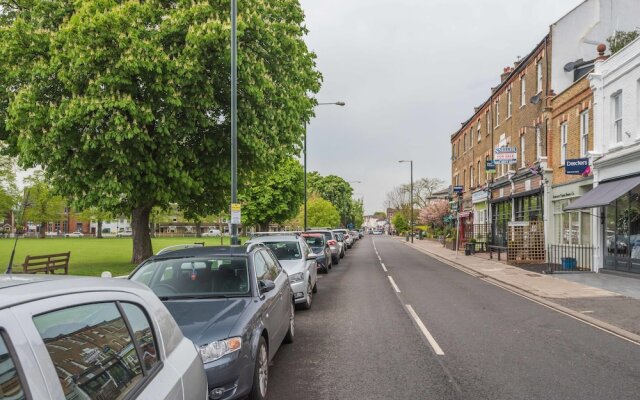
[234, 115]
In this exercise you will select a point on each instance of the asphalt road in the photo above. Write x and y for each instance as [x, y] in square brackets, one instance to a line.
[360, 340]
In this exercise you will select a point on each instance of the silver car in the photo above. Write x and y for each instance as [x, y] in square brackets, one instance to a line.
[298, 261]
[92, 338]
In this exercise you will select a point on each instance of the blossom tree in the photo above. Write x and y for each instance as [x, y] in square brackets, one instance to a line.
[435, 212]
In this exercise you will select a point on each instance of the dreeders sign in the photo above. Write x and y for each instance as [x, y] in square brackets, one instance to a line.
[576, 166]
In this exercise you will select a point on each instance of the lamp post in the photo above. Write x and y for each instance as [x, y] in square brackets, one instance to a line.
[337, 103]
[345, 218]
[411, 195]
[234, 115]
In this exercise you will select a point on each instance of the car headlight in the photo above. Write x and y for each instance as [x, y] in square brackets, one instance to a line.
[298, 277]
[219, 348]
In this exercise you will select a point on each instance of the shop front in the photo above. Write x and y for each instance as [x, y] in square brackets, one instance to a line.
[570, 227]
[619, 203]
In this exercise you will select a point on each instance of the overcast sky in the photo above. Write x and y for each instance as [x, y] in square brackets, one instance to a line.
[410, 72]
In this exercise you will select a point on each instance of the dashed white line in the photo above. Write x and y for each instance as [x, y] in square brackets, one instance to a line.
[425, 331]
[384, 268]
[393, 283]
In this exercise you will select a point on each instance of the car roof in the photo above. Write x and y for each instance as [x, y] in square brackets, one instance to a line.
[19, 288]
[203, 251]
[275, 238]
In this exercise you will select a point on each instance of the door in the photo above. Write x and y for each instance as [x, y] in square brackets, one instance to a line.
[284, 293]
[270, 306]
[16, 357]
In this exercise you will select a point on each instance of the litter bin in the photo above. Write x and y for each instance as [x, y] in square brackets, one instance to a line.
[569, 263]
[469, 249]
[407, 238]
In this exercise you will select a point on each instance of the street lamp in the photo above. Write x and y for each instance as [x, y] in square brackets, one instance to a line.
[411, 195]
[337, 103]
[234, 116]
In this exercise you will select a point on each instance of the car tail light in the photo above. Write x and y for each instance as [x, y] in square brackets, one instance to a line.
[332, 242]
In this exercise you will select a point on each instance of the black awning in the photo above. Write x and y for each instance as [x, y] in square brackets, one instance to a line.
[604, 194]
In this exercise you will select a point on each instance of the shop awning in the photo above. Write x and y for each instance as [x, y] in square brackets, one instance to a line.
[604, 194]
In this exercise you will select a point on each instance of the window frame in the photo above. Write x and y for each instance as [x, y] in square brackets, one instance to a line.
[584, 133]
[564, 133]
[13, 356]
[538, 142]
[479, 132]
[147, 375]
[616, 115]
[497, 102]
[509, 103]
[523, 91]
[539, 77]
[522, 151]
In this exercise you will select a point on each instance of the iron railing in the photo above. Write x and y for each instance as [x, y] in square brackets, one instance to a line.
[567, 257]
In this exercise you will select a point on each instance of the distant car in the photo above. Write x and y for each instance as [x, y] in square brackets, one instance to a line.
[125, 233]
[92, 338]
[212, 233]
[355, 235]
[74, 234]
[280, 233]
[319, 245]
[299, 261]
[52, 233]
[330, 237]
[348, 240]
[341, 244]
[377, 232]
[234, 302]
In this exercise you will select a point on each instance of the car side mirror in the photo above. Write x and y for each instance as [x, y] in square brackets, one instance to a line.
[266, 286]
[312, 256]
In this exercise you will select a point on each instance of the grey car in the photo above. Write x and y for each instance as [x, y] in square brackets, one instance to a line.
[234, 302]
[332, 241]
[92, 338]
[299, 261]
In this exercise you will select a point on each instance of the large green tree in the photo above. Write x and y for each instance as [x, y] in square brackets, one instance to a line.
[274, 198]
[125, 104]
[320, 213]
[334, 189]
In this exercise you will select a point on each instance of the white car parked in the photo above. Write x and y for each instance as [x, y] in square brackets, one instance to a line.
[92, 338]
[212, 232]
[74, 234]
[298, 260]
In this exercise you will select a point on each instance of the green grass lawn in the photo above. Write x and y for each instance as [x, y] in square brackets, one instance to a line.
[90, 256]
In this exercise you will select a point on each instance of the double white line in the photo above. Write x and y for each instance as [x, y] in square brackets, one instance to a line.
[412, 313]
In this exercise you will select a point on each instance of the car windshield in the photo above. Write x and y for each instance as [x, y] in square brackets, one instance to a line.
[285, 250]
[314, 241]
[217, 276]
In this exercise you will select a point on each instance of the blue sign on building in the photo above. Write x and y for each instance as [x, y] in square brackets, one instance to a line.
[576, 166]
[458, 189]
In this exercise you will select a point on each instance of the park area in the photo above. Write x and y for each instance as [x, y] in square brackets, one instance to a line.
[91, 256]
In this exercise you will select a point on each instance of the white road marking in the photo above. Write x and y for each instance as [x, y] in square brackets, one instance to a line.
[383, 267]
[393, 283]
[425, 331]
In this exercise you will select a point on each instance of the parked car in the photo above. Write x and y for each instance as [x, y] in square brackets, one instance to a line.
[212, 233]
[341, 243]
[92, 338]
[125, 233]
[318, 243]
[300, 263]
[348, 240]
[330, 237]
[280, 233]
[355, 235]
[74, 234]
[234, 302]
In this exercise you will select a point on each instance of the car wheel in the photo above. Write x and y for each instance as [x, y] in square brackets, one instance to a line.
[292, 325]
[307, 304]
[260, 372]
[315, 288]
[342, 254]
[337, 260]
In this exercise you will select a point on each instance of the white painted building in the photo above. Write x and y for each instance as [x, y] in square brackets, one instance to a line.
[615, 198]
[576, 35]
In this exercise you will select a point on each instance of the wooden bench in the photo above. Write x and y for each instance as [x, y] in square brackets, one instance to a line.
[497, 249]
[47, 263]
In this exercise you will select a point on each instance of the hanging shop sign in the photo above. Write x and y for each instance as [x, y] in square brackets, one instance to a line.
[576, 166]
[490, 167]
[505, 155]
[458, 189]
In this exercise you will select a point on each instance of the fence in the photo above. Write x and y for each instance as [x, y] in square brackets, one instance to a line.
[566, 257]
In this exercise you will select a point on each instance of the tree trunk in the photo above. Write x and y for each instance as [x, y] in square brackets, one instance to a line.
[99, 233]
[43, 228]
[198, 231]
[141, 236]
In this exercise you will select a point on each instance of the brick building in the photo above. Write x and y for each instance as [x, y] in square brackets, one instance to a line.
[529, 132]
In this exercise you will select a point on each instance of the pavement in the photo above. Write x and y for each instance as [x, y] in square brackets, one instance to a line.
[607, 301]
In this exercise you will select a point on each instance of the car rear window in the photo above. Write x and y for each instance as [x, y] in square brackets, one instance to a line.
[315, 241]
[10, 383]
[217, 276]
[288, 250]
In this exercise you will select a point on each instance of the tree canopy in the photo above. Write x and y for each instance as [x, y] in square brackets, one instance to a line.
[320, 213]
[126, 104]
[334, 189]
[400, 223]
[274, 198]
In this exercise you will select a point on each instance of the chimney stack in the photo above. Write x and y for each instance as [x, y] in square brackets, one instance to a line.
[505, 73]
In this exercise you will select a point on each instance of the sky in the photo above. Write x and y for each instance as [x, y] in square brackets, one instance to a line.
[410, 72]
